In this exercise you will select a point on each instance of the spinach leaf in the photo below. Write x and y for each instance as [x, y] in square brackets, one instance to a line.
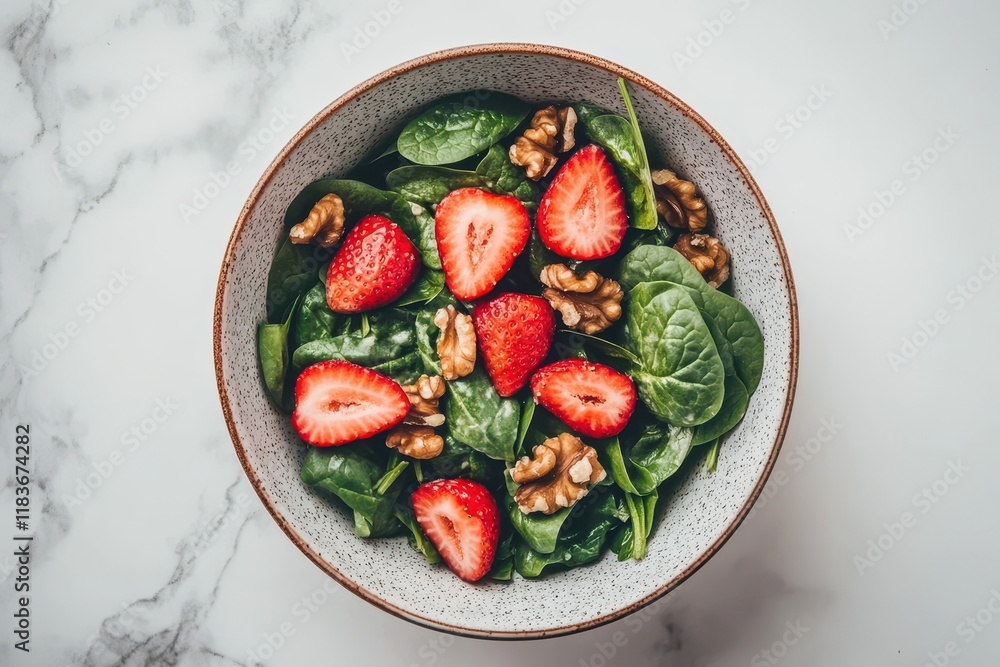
[712, 458]
[314, 319]
[417, 539]
[424, 289]
[390, 347]
[607, 347]
[361, 199]
[630, 541]
[351, 473]
[680, 375]
[428, 333]
[587, 111]
[736, 399]
[642, 159]
[272, 349]
[654, 263]
[662, 457]
[582, 542]
[740, 328]
[503, 561]
[734, 320]
[523, 426]
[539, 256]
[480, 418]
[663, 235]
[459, 460]
[640, 466]
[429, 185]
[292, 272]
[733, 408]
[539, 531]
[504, 177]
[459, 127]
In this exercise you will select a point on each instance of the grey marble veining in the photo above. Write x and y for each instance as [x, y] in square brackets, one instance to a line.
[150, 548]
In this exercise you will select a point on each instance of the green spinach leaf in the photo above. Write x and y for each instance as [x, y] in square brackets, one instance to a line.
[582, 542]
[587, 111]
[292, 272]
[630, 541]
[314, 319]
[712, 458]
[504, 177]
[680, 376]
[639, 465]
[641, 164]
[429, 185]
[424, 289]
[459, 460]
[662, 264]
[272, 349]
[459, 127]
[503, 561]
[479, 417]
[351, 473]
[390, 347]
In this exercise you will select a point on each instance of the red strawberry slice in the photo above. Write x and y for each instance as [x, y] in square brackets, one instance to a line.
[514, 333]
[592, 399]
[461, 519]
[479, 234]
[337, 402]
[375, 265]
[582, 214]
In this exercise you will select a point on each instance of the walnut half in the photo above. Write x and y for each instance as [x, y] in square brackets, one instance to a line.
[678, 202]
[706, 254]
[457, 345]
[417, 442]
[551, 131]
[324, 224]
[587, 303]
[415, 437]
[559, 473]
[424, 395]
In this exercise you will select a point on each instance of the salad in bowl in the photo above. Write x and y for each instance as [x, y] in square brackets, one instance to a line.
[519, 332]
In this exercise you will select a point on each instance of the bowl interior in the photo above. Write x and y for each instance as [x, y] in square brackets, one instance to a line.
[702, 509]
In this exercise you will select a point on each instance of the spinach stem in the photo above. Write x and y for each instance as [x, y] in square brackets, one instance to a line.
[389, 477]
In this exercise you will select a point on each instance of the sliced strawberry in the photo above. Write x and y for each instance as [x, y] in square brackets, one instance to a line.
[514, 333]
[592, 399]
[479, 234]
[461, 519]
[582, 214]
[375, 265]
[337, 402]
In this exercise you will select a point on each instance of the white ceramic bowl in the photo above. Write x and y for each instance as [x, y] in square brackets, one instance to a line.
[705, 509]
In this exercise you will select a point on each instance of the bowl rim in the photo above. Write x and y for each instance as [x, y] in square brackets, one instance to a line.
[523, 48]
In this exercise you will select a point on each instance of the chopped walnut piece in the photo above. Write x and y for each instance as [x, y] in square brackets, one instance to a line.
[324, 224]
[418, 442]
[560, 471]
[424, 395]
[457, 345]
[550, 132]
[677, 201]
[707, 255]
[588, 303]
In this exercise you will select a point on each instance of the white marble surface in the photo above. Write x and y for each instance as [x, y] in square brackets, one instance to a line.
[168, 558]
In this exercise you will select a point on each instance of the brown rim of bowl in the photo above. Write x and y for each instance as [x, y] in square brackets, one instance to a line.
[520, 48]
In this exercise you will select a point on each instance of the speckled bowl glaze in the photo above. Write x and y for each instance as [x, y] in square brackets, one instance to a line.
[702, 512]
